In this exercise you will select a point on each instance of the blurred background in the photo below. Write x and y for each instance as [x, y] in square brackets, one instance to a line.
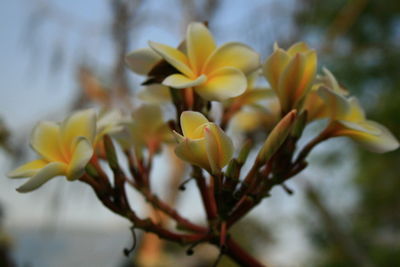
[58, 56]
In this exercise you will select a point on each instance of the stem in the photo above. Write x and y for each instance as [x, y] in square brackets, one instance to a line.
[164, 207]
[205, 193]
[307, 149]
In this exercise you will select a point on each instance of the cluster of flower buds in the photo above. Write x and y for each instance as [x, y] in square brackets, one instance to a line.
[190, 77]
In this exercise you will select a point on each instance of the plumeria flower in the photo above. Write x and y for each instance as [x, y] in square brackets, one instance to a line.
[214, 73]
[348, 119]
[64, 148]
[145, 130]
[329, 100]
[291, 73]
[203, 143]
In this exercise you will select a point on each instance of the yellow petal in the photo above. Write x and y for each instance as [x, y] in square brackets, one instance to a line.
[219, 147]
[299, 47]
[147, 119]
[371, 135]
[246, 120]
[190, 122]
[296, 79]
[316, 107]
[155, 94]
[223, 84]
[82, 153]
[200, 44]
[50, 171]
[180, 81]
[29, 169]
[255, 95]
[356, 112]
[336, 106]
[330, 81]
[45, 140]
[235, 55]
[174, 57]
[142, 60]
[274, 67]
[194, 152]
[79, 124]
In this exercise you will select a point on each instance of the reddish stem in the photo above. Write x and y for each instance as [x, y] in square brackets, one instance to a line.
[238, 254]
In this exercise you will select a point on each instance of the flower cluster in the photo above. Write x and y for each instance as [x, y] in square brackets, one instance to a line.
[269, 118]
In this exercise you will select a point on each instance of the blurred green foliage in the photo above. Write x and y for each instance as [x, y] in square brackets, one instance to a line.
[362, 45]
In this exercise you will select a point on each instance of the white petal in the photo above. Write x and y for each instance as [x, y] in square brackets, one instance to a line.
[142, 60]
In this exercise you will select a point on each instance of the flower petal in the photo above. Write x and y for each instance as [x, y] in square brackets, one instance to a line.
[219, 147]
[377, 139]
[329, 80]
[80, 158]
[255, 95]
[200, 44]
[79, 124]
[235, 55]
[50, 171]
[274, 66]
[296, 79]
[222, 84]
[142, 60]
[174, 57]
[356, 112]
[194, 152]
[299, 47]
[108, 122]
[334, 105]
[155, 94]
[28, 170]
[190, 122]
[316, 107]
[45, 140]
[180, 81]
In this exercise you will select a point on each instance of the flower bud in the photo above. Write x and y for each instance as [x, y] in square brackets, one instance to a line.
[276, 138]
[290, 73]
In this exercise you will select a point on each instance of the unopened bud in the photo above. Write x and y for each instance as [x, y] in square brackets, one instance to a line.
[110, 152]
[299, 124]
[277, 136]
[244, 152]
[91, 170]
